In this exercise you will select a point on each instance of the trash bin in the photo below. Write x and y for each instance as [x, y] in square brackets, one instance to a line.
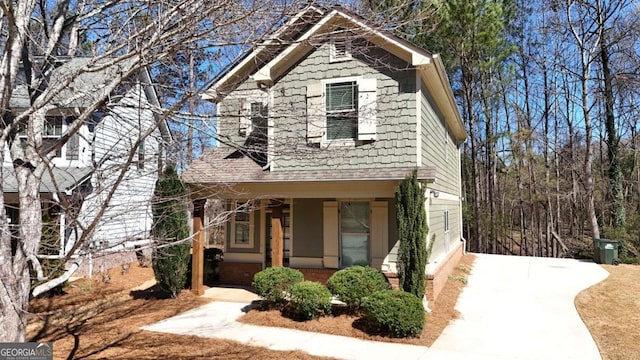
[605, 251]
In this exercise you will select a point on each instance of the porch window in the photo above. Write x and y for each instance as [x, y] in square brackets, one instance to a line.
[354, 233]
[342, 110]
[241, 226]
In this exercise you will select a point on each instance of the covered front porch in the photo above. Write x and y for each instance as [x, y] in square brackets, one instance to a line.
[315, 227]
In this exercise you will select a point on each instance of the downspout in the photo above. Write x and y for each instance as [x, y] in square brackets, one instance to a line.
[460, 198]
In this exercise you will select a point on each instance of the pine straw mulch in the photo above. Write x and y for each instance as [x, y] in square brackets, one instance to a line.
[611, 311]
[443, 311]
[95, 319]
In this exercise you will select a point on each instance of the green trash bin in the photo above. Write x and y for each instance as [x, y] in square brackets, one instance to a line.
[605, 251]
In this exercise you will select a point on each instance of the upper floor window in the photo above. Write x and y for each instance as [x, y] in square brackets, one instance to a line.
[51, 134]
[342, 110]
[54, 127]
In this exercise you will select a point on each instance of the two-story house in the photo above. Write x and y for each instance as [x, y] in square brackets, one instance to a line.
[317, 127]
[92, 173]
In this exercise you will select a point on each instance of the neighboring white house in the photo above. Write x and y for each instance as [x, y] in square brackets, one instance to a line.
[124, 139]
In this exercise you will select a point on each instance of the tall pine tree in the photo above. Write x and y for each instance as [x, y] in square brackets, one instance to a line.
[412, 233]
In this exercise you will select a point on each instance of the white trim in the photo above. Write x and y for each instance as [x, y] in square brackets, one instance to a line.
[263, 229]
[418, 119]
[306, 262]
[443, 196]
[271, 162]
[290, 230]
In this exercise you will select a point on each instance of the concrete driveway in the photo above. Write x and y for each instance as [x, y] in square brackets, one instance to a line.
[521, 308]
[512, 308]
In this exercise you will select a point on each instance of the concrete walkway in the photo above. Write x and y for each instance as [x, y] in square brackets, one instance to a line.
[512, 308]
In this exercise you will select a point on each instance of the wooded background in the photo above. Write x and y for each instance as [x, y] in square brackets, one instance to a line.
[549, 93]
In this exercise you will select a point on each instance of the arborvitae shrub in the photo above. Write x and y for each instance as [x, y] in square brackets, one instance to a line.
[398, 313]
[309, 300]
[412, 232]
[170, 225]
[353, 284]
[273, 283]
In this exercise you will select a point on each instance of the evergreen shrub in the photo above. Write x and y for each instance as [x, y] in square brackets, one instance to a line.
[398, 313]
[272, 283]
[309, 300]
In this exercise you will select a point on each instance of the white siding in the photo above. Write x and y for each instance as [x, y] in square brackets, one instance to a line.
[128, 215]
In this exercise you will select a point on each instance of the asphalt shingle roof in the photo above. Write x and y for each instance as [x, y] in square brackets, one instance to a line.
[230, 166]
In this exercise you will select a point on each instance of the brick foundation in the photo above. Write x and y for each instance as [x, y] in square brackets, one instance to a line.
[234, 273]
[318, 275]
[437, 279]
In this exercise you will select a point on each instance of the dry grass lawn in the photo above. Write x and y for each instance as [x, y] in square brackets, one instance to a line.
[346, 325]
[611, 310]
[97, 320]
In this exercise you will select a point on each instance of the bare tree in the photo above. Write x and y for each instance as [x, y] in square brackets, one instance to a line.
[121, 36]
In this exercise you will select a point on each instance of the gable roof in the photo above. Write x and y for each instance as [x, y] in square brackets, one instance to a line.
[266, 67]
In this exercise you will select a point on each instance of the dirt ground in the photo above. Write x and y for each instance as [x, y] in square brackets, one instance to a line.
[101, 319]
[611, 311]
[346, 325]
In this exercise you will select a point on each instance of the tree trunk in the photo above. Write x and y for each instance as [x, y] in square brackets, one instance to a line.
[613, 150]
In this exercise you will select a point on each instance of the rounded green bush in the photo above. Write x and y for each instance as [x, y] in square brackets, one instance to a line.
[353, 284]
[397, 312]
[272, 283]
[309, 300]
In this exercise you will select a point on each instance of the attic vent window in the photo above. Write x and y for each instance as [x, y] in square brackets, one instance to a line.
[340, 46]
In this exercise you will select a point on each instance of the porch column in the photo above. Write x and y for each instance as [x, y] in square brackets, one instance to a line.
[277, 241]
[197, 249]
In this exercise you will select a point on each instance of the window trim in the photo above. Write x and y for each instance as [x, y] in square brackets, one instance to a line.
[233, 222]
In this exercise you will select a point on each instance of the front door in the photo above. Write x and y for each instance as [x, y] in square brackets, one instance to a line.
[354, 233]
[286, 234]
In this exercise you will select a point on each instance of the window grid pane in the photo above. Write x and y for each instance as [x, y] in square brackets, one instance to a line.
[342, 110]
[242, 233]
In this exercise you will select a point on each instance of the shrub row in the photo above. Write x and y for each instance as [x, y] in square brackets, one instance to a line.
[363, 289]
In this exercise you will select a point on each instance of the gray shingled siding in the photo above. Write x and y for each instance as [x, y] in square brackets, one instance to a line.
[436, 225]
[395, 144]
[307, 228]
[434, 147]
[229, 122]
